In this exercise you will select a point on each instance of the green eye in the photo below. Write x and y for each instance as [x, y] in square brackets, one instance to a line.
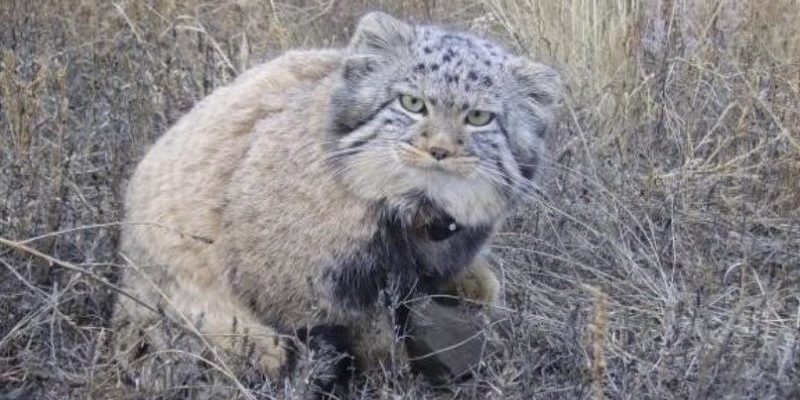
[412, 104]
[479, 118]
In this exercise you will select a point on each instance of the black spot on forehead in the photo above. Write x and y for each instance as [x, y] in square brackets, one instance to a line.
[456, 38]
[451, 78]
[457, 64]
[435, 39]
[448, 55]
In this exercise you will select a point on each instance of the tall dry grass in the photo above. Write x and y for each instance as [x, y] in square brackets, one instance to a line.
[662, 262]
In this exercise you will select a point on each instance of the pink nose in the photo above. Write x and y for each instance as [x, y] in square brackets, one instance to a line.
[439, 153]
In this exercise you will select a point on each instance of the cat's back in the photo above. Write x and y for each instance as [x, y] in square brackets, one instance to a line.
[176, 197]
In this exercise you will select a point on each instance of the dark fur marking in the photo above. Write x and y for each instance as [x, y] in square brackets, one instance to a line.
[472, 76]
[538, 97]
[528, 169]
[486, 81]
[434, 67]
[427, 50]
[488, 131]
[355, 70]
[442, 228]
[357, 144]
[502, 169]
[399, 113]
[449, 55]
[320, 339]
[502, 128]
[405, 256]
[342, 128]
[360, 142]
[541, 130]
[292, 351]
[453, 37]
[419, 68]
[233, 273]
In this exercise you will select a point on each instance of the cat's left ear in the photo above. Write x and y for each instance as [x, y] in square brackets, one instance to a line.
[541, 84]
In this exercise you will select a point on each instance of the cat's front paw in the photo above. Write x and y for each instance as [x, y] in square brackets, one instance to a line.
[477, 283]
[324, 361]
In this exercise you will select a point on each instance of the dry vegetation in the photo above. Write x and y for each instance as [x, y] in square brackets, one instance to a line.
[664, 261]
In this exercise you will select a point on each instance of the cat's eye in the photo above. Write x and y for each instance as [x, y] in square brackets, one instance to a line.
[412, 104]
[479, 118]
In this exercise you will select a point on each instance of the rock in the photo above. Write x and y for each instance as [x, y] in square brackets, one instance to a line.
[448, 342]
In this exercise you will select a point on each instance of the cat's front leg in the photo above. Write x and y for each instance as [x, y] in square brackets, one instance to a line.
[476, 283]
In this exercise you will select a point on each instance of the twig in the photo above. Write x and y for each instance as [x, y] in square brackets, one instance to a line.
[72, 267]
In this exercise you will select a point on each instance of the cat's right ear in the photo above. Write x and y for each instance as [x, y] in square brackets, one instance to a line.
[379, 38]
[378, 33]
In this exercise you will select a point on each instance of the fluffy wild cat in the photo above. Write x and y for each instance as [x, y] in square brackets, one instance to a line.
[296, 207]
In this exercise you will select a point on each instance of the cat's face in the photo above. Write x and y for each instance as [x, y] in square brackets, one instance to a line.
[448, 115]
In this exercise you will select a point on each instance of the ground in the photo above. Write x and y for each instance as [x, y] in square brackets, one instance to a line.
[661, 261]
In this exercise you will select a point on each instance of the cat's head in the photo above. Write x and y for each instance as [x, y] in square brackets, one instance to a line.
[420, 110]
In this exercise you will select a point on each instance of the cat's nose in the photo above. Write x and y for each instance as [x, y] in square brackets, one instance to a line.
[439, 153]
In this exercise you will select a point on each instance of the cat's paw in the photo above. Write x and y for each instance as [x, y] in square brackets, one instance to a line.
[323, 361]
[477, 283]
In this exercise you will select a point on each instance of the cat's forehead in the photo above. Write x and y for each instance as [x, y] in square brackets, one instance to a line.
[435, 41]
[457, 62]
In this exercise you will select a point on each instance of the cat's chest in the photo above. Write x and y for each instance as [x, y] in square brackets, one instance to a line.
[406, 253]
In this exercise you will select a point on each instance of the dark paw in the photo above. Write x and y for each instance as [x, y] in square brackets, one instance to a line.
[328, 364]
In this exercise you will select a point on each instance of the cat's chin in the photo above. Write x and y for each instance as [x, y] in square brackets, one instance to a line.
[461, 193]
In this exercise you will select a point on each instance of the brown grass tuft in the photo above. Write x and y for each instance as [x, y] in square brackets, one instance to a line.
[597, 331]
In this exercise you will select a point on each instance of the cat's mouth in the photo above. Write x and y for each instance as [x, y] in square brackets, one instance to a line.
[416, 158]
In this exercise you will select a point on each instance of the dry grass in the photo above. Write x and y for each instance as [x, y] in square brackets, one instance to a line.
[663, 263]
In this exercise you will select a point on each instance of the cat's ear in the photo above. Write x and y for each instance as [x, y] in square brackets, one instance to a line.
[541, 84]
[378, 33]
[379, 39]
